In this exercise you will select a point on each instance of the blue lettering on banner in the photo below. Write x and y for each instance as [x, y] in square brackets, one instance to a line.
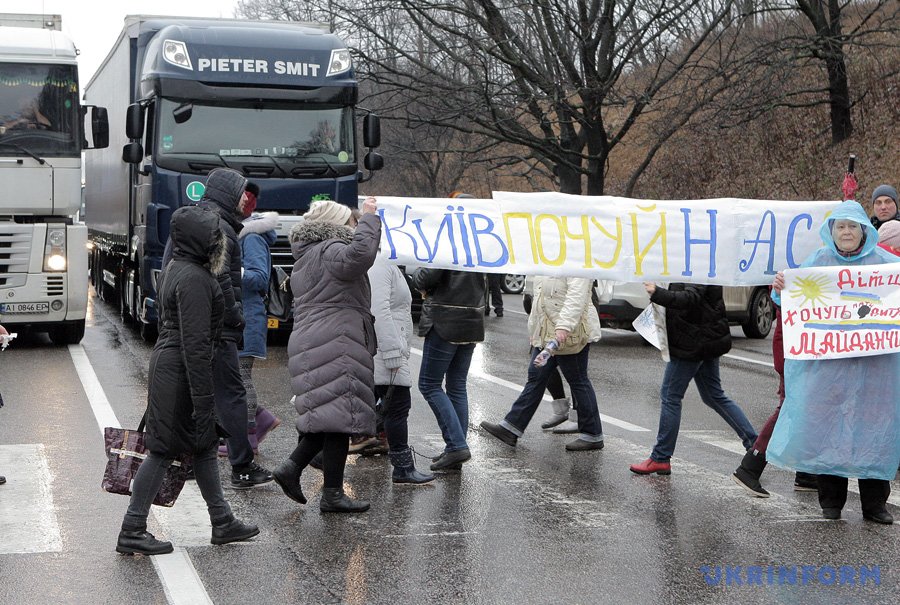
[689, 241]
[770, 265]
[789, 246]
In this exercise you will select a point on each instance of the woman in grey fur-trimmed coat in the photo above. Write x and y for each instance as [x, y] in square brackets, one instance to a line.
[332, 344]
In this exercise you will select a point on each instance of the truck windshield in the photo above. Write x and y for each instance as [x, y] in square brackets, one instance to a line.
[286, 133]
[39, 109]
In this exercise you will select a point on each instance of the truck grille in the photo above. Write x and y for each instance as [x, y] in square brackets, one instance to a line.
[281, 254]
[15, 248]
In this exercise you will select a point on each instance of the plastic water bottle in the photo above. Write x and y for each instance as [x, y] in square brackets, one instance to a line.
[549, 349]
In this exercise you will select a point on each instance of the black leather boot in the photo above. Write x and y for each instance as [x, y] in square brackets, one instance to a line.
[287, 476]
[232, 530]
[748, 473]
[334, 500]
[405, 468]
[141, 542]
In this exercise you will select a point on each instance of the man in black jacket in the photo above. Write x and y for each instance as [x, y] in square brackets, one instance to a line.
[225, 189]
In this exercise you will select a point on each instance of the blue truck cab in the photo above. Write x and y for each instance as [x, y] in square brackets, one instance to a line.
[275, 101]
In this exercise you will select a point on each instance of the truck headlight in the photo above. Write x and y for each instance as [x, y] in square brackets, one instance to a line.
[176, 53]
[339, 62]
[55, 250]
[57, 262]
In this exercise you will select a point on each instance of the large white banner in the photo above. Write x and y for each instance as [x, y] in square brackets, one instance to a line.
[831, 312]
[725, 241]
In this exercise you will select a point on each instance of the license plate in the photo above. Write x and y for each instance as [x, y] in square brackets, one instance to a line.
[21, 308]
[273, 323]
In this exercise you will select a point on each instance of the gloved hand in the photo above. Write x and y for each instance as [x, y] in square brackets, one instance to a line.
[393, 362]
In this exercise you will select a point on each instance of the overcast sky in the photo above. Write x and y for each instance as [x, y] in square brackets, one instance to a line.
[94, 25]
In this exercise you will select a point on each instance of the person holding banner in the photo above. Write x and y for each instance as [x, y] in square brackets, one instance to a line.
[452, 322]
[332, 345]
[841, 417]
[562, 313]
[698, 335]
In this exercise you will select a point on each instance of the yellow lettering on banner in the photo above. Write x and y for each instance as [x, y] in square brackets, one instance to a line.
[559, 260]
[617, 238]
[526, 216]
[584, 236]
[641, 253]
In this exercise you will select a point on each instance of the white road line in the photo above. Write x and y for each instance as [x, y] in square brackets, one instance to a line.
[768, 364]
[180, 581]
[28, 521]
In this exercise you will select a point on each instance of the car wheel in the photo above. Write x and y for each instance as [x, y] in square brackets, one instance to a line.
[513, 284]
[761, 314]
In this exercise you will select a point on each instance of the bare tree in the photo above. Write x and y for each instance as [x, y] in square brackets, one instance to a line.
[783, 51]
[556, 84]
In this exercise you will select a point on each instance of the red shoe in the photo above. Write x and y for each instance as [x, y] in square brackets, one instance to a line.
[650, 466]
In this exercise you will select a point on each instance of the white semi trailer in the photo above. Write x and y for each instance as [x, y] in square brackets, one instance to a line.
[43, 255]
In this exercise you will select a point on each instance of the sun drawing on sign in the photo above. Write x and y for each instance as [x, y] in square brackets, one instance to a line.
[812, 289]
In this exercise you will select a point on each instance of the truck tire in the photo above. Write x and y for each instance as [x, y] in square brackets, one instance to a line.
[760, 315]
[68, 333]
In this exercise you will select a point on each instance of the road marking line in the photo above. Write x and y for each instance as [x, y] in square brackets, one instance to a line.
[518, 389]
[28, 522]
[177, 574]
[767, 364]
[179, 578]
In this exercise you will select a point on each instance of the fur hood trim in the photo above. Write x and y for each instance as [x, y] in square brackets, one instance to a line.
[259, 223]
[218, 254]
[315, 231]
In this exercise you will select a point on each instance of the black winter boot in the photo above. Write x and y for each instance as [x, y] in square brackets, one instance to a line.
[748, 473]
[232, 530]
[405, 468]
[287, 476]
[334, 500]
[141, 542]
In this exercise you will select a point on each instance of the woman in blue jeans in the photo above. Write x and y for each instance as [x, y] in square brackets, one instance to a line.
[698, 335]
[452, 322]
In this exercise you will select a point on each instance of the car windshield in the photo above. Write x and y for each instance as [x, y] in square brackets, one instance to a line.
[307, 134]
[39, 109]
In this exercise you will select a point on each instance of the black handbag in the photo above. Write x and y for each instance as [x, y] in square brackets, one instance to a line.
[280, 298]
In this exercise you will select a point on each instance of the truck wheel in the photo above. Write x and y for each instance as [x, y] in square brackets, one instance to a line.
[761, 314]
[68, 333]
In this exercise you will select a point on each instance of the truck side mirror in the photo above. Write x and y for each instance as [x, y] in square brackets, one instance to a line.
[134, 121]
[132, 153]
[99, 127]
[183, 113]
[373, 161]
[371, 131]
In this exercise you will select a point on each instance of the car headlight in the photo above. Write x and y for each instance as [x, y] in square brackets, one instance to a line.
[55, 250]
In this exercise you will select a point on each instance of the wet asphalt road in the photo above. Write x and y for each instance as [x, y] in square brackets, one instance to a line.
[534, 524]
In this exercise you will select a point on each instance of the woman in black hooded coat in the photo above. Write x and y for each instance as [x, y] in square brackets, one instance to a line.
[180, 412]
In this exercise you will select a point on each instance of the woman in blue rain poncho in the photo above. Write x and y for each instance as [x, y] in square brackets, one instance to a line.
[841, 417]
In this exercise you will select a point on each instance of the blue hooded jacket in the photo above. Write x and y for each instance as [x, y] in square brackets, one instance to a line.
[841, 416]
[256, 239]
